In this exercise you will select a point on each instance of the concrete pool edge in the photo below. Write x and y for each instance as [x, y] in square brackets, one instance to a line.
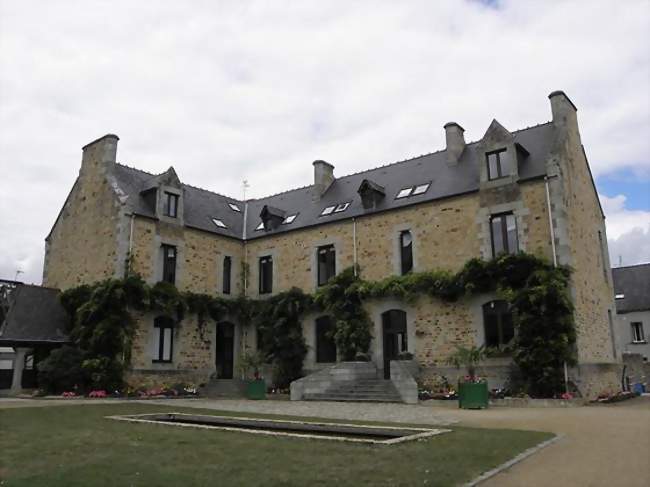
[422, 432]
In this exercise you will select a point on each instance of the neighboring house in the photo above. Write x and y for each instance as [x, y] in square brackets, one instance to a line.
[632, 288]
[434, 211]
[34, 323]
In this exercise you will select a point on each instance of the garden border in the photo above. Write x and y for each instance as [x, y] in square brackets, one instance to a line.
[513, 461]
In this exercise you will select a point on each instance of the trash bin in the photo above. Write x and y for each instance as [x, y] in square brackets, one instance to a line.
[638, 389]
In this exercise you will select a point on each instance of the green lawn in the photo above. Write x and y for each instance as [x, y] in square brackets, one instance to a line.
[75, 446]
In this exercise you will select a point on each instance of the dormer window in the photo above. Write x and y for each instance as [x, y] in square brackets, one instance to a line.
[234, 207]
[259, 227]
[170, 208]
[371, 194]
[499, 164]
[272, 217]
[219, 223]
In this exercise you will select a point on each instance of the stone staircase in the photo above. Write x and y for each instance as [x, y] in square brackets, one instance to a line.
[358, 390]
[223, 388]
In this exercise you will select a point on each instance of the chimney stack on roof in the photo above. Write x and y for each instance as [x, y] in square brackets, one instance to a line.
[455, 142]
[323, 177]
[99, 153]
[563, 110]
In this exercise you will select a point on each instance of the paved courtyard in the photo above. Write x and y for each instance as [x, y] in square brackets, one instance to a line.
[604, 445]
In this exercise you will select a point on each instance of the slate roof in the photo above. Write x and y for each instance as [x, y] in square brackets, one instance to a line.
[201, 205]
[634, 283]
[35, 316]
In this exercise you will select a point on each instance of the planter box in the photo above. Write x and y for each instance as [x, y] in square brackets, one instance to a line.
[472, 396]
[256, 389]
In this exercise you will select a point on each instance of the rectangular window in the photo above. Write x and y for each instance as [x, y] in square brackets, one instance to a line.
[163, 345]
[326, 264]
[403, 193]
[169, 264]
[637, 332]
[499, 164]
[227, 265]
[406, 251]
[171, 205]
[266, 274]
[503, 229]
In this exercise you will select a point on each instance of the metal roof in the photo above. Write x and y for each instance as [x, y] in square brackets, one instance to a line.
[200, 205]
[35, 316]
[633, 283]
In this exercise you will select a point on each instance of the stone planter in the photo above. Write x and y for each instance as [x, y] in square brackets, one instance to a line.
[256, 389]
[472, 395]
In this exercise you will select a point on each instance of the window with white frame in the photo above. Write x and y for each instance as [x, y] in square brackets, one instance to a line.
[163, 339]
[637, 332]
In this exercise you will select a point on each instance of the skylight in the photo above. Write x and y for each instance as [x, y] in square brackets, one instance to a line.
[421, 188]
[234, 207]
[341, 207]
[619, 296]
[327, 210]
[289, 219]
[403, 193]
[260, 226]
[219, 223]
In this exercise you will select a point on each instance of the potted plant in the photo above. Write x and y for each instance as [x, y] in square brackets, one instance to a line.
[472, 390]
[250, 364]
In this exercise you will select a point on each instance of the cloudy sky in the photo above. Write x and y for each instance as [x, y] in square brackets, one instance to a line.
[227, 91]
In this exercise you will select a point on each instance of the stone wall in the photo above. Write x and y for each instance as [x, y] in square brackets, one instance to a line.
[199, 261]
[82, 247]
[581, 239]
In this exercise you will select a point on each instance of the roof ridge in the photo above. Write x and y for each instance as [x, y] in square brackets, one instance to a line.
[409, 159]
[214, 193]
[136, 169]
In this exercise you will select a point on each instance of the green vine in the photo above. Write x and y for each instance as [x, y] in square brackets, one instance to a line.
[537, 292]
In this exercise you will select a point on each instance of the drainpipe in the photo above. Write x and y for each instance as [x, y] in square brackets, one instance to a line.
[550, 219]
[354, 245]
[244, 267]
[550, 225]
[130, 255]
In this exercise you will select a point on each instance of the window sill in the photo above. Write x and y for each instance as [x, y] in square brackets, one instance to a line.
[161, 362]
[641, 342]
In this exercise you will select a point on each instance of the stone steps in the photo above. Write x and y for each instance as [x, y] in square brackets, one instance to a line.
[362, 390]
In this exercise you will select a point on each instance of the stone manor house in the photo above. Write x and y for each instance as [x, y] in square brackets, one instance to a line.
[527, 190]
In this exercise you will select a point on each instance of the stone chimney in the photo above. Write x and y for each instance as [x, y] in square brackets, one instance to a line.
[563, 109]
[99, 154]
[323, 177]
[455, 142]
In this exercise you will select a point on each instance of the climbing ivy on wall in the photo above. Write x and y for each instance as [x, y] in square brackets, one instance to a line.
[103, 328]
[342, 298]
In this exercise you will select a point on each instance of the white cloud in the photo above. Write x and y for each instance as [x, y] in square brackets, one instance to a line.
[628, 232]
[258, 90]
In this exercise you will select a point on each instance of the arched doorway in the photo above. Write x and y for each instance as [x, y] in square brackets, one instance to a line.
[225, 350]
[394, 336]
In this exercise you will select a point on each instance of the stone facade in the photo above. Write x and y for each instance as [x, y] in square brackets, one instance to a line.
[82, 246]
[97, 236]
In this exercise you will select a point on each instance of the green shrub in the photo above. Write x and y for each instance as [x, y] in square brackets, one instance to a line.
[62, 370]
